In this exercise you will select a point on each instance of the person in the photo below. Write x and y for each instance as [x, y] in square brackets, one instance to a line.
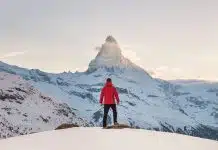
[107, 98]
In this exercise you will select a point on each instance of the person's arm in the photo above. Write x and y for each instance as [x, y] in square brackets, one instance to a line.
[101, 96]
[116, 96]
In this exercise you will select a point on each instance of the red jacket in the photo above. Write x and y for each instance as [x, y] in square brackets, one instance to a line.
[108, 94]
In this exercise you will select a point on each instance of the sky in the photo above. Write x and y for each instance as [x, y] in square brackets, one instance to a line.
[171, 39]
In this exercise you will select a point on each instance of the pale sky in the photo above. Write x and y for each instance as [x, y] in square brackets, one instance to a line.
[174, 39]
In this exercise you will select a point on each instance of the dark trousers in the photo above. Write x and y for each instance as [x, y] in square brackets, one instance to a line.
[106, 109]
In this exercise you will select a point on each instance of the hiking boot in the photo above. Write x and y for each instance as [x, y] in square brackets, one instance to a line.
[116, 124]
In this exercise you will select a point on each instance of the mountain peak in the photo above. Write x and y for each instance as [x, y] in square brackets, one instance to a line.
[110, 56]
[110, 39]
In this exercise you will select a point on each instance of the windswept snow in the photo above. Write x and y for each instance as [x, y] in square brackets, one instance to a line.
[106, 139]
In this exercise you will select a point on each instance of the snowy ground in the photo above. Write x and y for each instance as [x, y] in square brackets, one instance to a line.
[99, 139]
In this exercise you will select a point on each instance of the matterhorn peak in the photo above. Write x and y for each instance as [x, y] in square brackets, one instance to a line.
[110, 39]
[110, 56]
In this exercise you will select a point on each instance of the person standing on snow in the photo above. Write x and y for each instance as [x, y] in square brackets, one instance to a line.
[107, 97]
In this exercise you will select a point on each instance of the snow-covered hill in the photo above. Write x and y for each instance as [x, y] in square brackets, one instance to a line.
[24, 109]
[146, 102]
[98, 139]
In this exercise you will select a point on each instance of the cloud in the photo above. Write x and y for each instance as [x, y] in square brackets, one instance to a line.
[13, 54]
[168, 69]
[98, 48]
[131, 55]
[167, 72]
[162, 68]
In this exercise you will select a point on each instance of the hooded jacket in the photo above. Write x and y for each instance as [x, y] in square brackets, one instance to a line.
[109, 94]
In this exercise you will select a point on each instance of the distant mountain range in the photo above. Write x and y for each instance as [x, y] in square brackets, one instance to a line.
[34, 100]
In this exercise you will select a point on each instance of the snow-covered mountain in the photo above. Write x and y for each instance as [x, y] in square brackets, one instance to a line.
[24, 109]
[146, 102]
[110, 56]
[98, 139]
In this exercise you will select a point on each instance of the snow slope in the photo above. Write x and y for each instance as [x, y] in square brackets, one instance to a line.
[24, 109]
[146, 102]
[99, 139]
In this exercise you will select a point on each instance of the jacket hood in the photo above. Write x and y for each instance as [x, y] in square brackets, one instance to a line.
[108, 84]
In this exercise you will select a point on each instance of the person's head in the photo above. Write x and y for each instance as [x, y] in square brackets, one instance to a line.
[109, 80]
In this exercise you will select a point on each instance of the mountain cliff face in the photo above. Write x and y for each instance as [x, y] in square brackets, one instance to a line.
[24, 110]
[146, 102]
[110, 56]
